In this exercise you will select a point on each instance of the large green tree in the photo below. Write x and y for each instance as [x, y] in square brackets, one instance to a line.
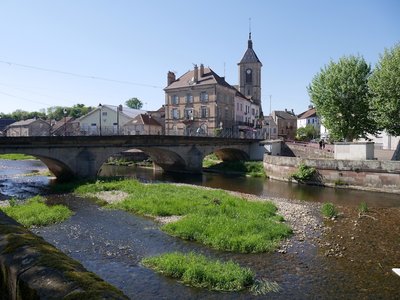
[134, 103]
[341, 97]
[76, 111]
[385, 90]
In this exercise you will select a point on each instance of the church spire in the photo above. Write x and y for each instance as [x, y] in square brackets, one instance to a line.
[250, 42]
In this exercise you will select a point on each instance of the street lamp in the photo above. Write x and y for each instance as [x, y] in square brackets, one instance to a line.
[65, 121]
[100, 106]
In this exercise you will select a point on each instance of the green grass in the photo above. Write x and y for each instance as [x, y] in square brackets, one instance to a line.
[363, 207]
[250, 168]
[16, 156]
[36, 213]
[329, 210]
[199, 271]
[212, 217]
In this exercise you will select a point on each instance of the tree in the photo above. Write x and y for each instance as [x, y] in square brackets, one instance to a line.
[134, 103]
[76, 111]
[306, 133]
[385, 90]
[340, 95]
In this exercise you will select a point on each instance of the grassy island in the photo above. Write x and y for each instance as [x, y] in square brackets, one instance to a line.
[36, 213]
[212, 217]
[199, 271]
[16, 156]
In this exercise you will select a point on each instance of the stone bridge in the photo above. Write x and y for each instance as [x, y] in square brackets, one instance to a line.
[82, 156]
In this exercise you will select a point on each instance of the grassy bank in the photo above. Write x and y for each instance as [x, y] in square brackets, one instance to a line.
[16, 156]
[36, 213]
[250, 168]
[199, 271]
[212, 217]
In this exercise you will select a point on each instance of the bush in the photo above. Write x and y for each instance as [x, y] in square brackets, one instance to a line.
[329, 210]
[304, 173]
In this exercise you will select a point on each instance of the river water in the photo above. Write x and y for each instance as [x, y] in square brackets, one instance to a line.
[112, 243]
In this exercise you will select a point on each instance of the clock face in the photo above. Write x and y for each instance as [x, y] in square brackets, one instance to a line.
[248, 71]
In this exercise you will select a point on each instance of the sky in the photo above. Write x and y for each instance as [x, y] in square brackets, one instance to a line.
[65, 52]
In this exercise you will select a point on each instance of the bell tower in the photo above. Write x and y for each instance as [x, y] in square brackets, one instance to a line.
[250, 74]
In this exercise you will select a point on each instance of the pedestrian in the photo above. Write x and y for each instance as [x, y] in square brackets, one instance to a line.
[320, 144]
[323, 144]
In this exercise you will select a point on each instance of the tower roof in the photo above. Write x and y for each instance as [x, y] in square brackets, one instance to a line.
[249, 56]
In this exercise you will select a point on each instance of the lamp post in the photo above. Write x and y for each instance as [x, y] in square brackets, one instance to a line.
[65, 121]
[100, 106]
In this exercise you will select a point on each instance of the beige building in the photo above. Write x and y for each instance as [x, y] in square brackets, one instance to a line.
[106, 120]
[201, 102]
[30, 127]
[286, 122]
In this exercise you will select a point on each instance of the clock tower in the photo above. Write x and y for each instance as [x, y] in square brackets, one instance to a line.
[250, 74]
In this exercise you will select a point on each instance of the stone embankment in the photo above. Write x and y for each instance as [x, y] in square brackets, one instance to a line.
[372, 175]
[31, 268]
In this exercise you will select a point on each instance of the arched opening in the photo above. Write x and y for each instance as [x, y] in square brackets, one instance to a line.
[134, 161]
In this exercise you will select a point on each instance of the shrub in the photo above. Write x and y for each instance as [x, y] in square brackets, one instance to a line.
[304, 173]
[329, 210]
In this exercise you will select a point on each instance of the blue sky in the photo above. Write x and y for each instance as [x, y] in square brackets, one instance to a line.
[138, 42]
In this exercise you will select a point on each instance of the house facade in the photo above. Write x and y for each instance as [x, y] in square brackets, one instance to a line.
[30, 127]
[286, 122]
[201, 102]
[142, 124]
[106, 120]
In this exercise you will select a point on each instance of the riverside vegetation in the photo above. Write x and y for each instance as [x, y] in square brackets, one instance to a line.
[16, 156]
[34, 212]
[212, 217]
[250, 168]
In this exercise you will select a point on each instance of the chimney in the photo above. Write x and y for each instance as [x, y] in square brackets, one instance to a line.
[292, 112]
[196, 74]
[120, 107]
[285, 109]
[310, 106]
[201, 70]
[171, 77]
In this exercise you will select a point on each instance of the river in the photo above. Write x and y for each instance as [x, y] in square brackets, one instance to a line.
[112, 243]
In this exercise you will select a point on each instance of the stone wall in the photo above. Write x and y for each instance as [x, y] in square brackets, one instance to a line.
[307, 150]
[31, 268]
[367, 175]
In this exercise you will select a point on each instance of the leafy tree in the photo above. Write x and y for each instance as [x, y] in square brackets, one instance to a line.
[340, 95]
[306, 133]
[384, 85]
[134, 103]
[76, 111]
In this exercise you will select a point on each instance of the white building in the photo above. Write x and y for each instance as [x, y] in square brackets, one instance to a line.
[107, 120]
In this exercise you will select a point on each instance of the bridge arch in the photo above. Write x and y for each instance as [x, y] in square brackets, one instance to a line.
[231, 154]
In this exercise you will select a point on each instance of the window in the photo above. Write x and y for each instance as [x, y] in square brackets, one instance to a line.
[104, 113]
[175, 113]
[189, 98]
[203, 111]
[203, 96]
[175, 99]
[237, 106]
[253, 111]
[189, 114]
[241, 107]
